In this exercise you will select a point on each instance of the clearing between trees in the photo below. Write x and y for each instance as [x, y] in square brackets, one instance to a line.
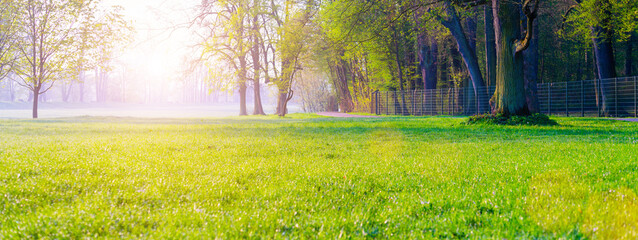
[307, 176]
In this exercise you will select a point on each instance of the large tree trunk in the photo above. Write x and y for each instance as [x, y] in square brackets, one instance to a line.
[531, 72]
[490, 47]
[509, 98]
[339, 74]
[469, 57]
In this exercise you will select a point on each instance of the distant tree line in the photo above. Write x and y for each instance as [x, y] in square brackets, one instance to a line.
[46, 43]
[358, 47]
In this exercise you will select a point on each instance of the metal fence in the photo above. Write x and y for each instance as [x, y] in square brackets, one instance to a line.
[601, 97]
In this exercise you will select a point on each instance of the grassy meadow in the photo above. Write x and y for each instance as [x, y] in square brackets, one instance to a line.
[307, 176]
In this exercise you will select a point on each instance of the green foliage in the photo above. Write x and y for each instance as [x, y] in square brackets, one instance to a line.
[620, 17]
[8, 38]
[537, 119]
[309, 177]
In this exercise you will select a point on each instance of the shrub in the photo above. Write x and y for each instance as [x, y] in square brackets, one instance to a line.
[501, 119]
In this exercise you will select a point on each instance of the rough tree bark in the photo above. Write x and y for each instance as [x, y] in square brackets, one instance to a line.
[509, 98]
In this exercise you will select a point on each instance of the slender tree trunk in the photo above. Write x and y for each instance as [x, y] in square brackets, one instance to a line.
[490, 47]
[470, 28]
[531, 72]
[606, 68]
[66, 91]
[428, 56]
[428, 51]
[242, 86]
[98, 86]
[579, 68]
[469, 57]
[36, 95]
[284, 88]
[509, 98]
[399, 70]
[242, 99]
[82, 92]
[12, 92]
[258, 108]
[629, 49]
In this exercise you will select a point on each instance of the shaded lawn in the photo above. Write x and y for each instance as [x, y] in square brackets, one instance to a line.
[309, 176]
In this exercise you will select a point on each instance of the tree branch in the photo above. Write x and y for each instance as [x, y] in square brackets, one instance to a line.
[531, 14]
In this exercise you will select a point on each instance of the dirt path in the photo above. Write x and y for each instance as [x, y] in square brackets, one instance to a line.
[344, 115]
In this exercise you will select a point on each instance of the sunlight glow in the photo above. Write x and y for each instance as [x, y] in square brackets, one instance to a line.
[161, 40]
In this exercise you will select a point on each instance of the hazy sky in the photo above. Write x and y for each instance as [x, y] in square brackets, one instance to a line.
[161, 39]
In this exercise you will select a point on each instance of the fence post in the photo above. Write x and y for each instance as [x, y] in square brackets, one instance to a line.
[372, 104]
[582, 98]
[599, 100]
[549, 98]
[433, 104]
[376, 103]
[566, 100]
[387, 102]
[616, 97]
[477, 100]
[453, 101]
[635, 99]
[413, 102]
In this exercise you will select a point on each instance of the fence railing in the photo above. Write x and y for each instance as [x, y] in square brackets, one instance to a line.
[600, 97]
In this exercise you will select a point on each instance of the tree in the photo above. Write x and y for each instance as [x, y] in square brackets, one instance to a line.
[604, 22]
[509, 98]
[43, 49]
[109, 30]
[8, 39]
[468, 51]
[228, 39]
[256, 41]
[490, 46]
[292, 33]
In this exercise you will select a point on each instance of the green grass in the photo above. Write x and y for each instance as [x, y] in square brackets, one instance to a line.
[311, 177]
